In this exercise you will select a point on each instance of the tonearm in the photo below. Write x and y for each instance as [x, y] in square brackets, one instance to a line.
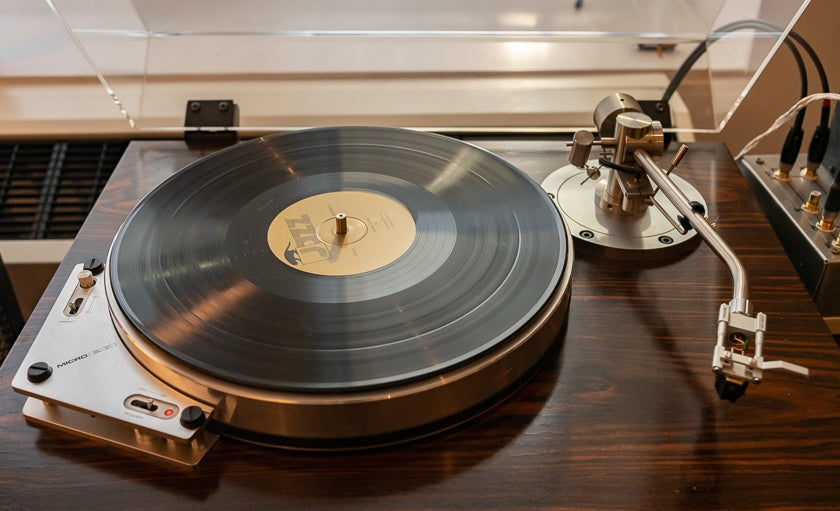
[631, 143]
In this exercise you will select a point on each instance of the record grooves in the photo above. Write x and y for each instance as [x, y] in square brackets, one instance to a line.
[453, 261]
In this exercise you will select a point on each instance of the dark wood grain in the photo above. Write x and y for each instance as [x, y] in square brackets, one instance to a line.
[623, 414]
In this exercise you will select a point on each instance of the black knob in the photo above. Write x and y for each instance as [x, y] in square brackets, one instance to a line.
[38, 372]
[94, 266]
[192, 417]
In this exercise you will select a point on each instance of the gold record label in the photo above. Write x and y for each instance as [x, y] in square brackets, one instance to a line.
[307, 234]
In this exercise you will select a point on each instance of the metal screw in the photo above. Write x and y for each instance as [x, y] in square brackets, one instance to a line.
[666, 240]
[587, 234]
[223, 106]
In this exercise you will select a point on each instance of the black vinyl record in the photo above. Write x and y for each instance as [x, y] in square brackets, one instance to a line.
[236, 266]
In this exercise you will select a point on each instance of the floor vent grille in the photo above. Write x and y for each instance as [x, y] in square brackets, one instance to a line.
[47, 189]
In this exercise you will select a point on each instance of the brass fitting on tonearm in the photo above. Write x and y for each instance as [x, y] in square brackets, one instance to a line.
[624, 130]
[632, 143]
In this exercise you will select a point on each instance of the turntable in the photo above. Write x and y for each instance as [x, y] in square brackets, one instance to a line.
[331, 288]
[621, 408]
[350, 287]
[591, 386]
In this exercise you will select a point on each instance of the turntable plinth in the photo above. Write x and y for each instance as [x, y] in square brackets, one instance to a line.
[621, 415]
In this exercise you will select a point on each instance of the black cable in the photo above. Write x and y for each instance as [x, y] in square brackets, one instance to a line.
[767, 27]
[832, 201]
[819, 140]
[824, 114]
[718, 34]
[815, 59]
[793, 141]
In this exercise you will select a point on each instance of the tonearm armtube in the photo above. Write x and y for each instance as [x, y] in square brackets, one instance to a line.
[630, 154]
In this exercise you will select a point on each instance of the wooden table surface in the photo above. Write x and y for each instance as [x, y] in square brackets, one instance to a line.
[623, 414]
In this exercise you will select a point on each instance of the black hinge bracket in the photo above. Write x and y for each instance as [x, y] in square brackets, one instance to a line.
[209, 123]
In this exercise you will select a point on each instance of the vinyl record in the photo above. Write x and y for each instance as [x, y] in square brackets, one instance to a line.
[236, 266]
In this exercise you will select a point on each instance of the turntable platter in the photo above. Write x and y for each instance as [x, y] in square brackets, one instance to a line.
[236, 266]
